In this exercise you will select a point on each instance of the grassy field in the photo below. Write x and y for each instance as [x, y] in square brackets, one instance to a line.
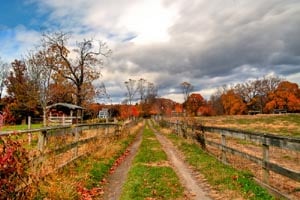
[283, 124]
[150, 176]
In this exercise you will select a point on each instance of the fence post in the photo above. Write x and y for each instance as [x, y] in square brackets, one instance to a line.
[200, 135]
[223, 141]
[29, 127]
[266, 173]
[76, 140]
[42, 140]
[63, 119]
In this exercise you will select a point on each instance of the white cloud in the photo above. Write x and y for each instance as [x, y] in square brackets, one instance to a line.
[150, 20]
[17, 42]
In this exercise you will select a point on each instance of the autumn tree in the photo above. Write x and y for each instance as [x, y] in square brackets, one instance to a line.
[178, 108]
[233, 103]
[60, 90]
[80, 64]
[206, 109]
[193, 103]
[286, 96]
[255, 92]
[126, 111]
[21, 89]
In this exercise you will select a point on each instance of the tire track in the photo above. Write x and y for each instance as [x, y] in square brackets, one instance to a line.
[184, 173]
[113, 189]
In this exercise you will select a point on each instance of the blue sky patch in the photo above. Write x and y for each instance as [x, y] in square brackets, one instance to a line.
[15, 13]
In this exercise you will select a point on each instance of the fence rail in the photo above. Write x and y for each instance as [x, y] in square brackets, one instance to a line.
[264, 140]
[57, 146]
[283, 142]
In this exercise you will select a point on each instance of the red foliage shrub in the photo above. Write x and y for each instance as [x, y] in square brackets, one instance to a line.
[13, 169]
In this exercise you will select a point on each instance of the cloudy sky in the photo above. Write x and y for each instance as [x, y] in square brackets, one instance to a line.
[206, 43]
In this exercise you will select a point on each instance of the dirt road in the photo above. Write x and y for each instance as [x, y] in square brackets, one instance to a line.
[194, 189]
[186, 175]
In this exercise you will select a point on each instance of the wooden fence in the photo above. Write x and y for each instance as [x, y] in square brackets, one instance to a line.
[262, 140]
[52, 148]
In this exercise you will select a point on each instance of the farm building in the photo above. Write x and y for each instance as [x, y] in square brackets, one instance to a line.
[64, 114]
[103, 113]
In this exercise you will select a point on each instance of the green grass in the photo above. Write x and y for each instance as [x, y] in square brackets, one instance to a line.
[220, 176]
[20, 127]
[148, 178]
[151, 182]
[101, 167]
[150, 150]
[99, 170]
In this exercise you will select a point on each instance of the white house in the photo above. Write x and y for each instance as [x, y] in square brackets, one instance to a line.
[103, 113]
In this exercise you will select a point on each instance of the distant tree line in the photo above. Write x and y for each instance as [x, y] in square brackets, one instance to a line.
[264, 95]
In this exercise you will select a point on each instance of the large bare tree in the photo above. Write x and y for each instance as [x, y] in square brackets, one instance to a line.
[80, 65]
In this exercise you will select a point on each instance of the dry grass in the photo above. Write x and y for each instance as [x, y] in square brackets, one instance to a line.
[284, 124]
[63, 183]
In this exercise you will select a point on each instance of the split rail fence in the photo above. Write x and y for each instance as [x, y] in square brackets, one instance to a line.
[52, 148]
[221, 138]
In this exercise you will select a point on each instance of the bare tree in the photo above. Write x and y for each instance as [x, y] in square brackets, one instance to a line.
[4, 69]
[187, 88]
[151, 91]
[131, 89]
[142, 88]
[82, 67]
[40, 72]
[255, 92]
[101, 92]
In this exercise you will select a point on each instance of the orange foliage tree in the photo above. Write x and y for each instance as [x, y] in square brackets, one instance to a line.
[21, 89]
[286, 96]
[127, 111]
[178, 108]
[232, 103]
[193, 103]
[206, 110]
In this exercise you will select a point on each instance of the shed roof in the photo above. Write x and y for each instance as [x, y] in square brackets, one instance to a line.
[68, 105]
